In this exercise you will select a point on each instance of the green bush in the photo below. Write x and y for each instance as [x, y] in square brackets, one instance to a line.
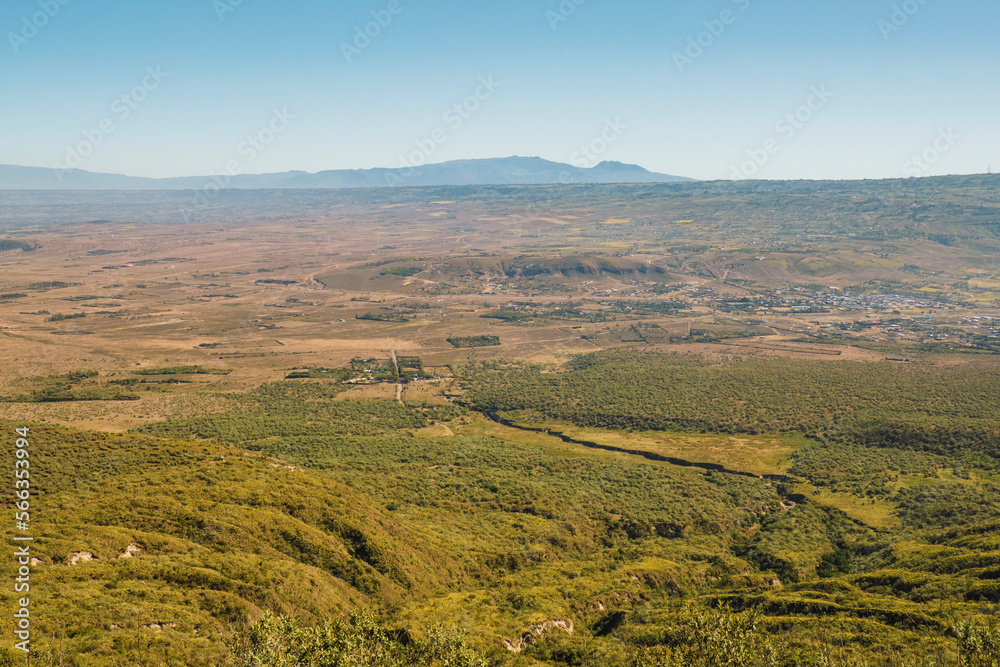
[712, 639]
[361, 641]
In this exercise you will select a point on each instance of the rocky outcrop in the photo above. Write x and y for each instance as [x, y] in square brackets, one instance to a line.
[77, 557]
[159, 627]
[535, 633]
[130, 551]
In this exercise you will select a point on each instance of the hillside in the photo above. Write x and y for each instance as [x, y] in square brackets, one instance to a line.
[187, 540]
[292, 499]
[653, 425]
[496, 171]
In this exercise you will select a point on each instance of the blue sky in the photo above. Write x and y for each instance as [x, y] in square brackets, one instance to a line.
[775, 89]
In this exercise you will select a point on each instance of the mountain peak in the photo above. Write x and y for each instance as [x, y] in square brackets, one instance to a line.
[614, 165]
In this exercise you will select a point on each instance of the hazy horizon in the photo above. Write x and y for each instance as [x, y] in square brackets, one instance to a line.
[720, 90]
[684, 178]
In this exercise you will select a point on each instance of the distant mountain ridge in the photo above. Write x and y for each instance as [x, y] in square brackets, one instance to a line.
[492, 171]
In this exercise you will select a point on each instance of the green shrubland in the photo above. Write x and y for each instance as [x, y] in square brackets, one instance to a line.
[925, 408]
[258, 528]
